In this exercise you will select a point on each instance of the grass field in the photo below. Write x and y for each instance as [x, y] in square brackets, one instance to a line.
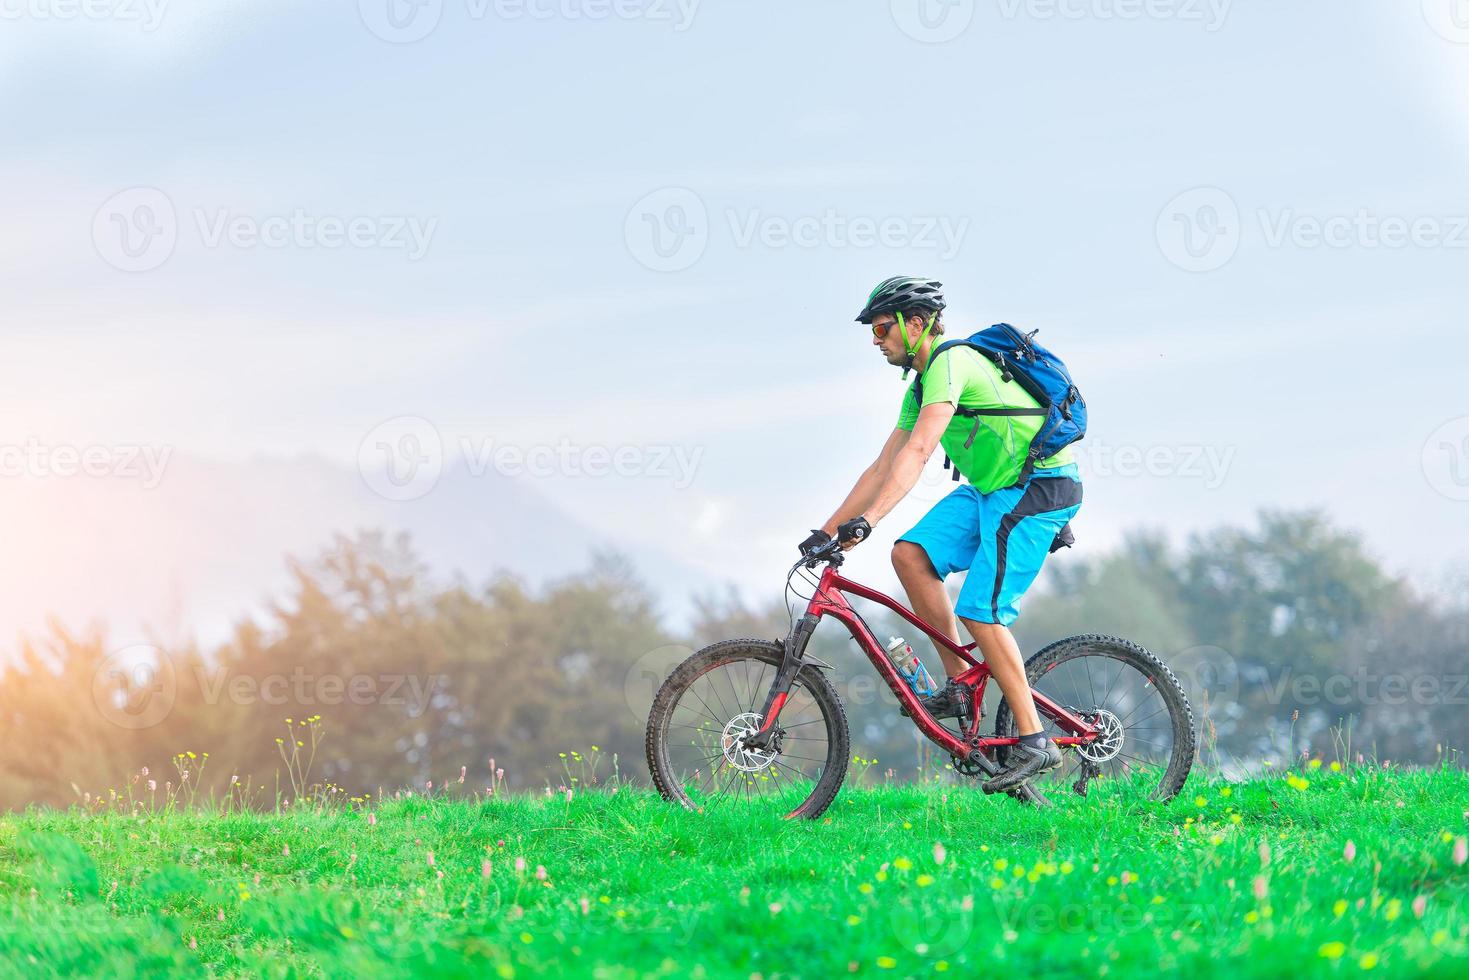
[1249, 879]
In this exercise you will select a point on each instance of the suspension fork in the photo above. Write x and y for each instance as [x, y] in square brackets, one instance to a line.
[791, 662]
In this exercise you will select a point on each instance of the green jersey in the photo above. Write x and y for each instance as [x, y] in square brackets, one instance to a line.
[964, 377]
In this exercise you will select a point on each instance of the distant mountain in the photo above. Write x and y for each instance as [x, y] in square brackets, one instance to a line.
[208, 544]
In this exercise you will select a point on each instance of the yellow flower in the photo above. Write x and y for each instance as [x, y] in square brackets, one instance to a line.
[907, 825]
[1001, 864]
[1235, 818]
[1335, 766]
[1339, 907]
[925, 880]
[1252, 916]
[1157, 899]
[1201, 801]
[881, 876]
[526, 937]
[886, 962]
[996, 884]
[852, 920]
[1446, 837]
[902, 864]
[1067, 867]
[865, 888]
[1368, 961]
[1394, 908]
[1111, 880]
[1227, 791]
[1018, 871]
[1315, 763]
[941, 966]
[1296, 782]
[1332, 950]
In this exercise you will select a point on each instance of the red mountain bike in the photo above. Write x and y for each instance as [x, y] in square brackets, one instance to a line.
[756, 720]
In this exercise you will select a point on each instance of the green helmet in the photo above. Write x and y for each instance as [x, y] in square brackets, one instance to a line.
[902, 294]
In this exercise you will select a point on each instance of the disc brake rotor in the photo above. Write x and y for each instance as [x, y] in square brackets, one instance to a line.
[732, 741]
[1108, 742]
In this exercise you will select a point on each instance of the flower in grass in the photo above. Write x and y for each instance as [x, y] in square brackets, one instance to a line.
[1332, 950]
[1461, 851]
[484, 869]
[1420, 905]
[372, 819]
[540, 872]
[430, 859]
[1349, 853]
[1262, 888]
[939, 854]
[775, 908]
[1368, 961]
[886, 962]
[285, 850]
[152, 785]
[520, 865]
[586, 906]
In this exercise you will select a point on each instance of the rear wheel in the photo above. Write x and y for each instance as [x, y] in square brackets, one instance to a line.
[711, 703]
[1146, 742]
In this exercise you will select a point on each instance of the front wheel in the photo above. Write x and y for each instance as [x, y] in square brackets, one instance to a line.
[712, 702]
[1146, 743]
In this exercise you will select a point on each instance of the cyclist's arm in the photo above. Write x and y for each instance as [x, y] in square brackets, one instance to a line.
[868, 484]
[908, 461]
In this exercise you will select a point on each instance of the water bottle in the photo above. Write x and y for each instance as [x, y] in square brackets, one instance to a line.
[910, 668]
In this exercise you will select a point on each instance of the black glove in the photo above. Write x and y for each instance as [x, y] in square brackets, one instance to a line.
[857, 529]
[817, 539]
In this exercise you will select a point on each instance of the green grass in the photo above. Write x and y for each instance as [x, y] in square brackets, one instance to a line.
[634, 887]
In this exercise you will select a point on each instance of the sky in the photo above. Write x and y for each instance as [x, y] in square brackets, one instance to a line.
[610, 250]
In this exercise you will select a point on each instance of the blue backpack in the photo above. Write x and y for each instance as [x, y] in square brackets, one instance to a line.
[1044, 377]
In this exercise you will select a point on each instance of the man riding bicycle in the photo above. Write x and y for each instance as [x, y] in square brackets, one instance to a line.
[999, 526]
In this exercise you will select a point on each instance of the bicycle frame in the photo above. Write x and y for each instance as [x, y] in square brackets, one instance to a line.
[829, 600]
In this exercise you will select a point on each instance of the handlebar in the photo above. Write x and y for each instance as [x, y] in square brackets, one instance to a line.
[829, 552]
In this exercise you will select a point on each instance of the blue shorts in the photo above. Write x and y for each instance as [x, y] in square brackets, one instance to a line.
[1002, 538]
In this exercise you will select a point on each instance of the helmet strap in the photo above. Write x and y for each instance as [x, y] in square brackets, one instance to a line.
[913, 349]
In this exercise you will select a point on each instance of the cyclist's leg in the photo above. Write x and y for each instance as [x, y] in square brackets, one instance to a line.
[1018, 526]
[944, 541]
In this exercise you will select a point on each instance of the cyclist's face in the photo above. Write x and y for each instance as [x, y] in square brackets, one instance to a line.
[891, 340]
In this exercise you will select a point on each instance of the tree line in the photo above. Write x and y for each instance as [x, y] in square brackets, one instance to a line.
[1290, 638]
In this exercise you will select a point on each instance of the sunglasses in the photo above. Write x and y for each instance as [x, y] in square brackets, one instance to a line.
[880, 330]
